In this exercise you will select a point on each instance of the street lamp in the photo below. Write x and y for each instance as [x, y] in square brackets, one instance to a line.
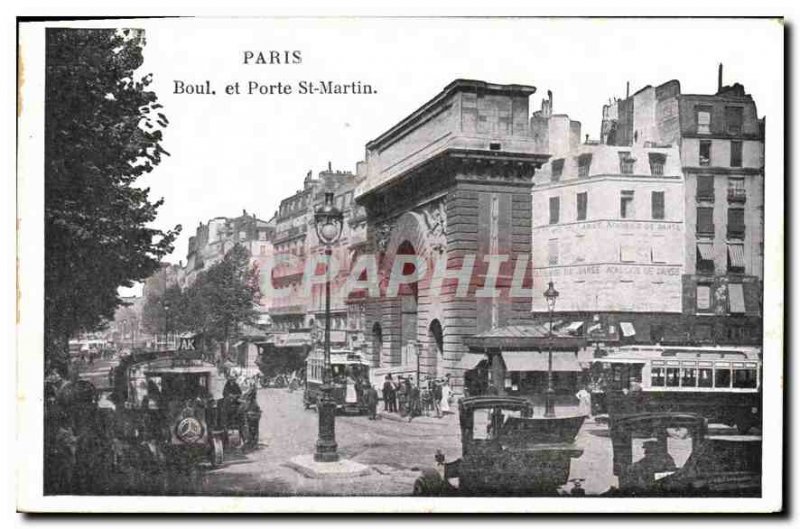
[166, 324]
[328, 222]
[551, 295]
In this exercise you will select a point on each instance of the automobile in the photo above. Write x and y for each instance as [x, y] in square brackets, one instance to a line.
[711, 465]
[172, 402]
[504, 451]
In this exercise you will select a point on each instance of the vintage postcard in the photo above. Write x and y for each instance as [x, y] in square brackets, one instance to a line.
[400, 265]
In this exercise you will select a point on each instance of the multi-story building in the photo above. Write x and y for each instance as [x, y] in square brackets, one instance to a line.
[721, 141]
[214, 239]
[298, 313]
[608, 230]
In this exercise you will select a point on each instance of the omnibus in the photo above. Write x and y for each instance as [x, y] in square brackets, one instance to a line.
[723, 384]
[350, 373]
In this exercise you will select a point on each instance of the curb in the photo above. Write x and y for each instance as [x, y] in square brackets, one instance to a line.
[417, 420]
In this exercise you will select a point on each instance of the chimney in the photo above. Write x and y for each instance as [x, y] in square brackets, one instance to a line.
[627, 89]
[329, 167]
[719, 78]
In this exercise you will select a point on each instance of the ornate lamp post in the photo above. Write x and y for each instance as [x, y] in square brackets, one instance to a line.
[551, 295]
[166, 324]
[328, 222]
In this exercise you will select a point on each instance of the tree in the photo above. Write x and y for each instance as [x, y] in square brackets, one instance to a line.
[230, 293]
[157, 319]
[103, 130]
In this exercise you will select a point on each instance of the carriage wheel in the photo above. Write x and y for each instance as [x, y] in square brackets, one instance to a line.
[217, 453]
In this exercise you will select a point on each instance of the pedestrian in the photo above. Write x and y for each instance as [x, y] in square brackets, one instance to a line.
[388, 393]
[402, 396]
[446, 392]
[252, 418]
[371, 400]
[584, 402]
[436, 391]
[414, 404]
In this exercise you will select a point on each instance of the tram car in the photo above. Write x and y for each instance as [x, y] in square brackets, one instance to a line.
[349, 372]
[722, 384]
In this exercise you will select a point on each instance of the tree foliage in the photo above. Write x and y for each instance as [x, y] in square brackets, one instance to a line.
[220, 300]
[103, 130]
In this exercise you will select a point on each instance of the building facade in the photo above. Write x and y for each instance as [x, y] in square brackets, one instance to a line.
[446, 188]
[608, 230]
[721, 141]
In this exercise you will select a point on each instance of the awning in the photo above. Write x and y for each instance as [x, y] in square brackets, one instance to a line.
[736, 296]
[627, 328]
[595, 328]
[471, 361]
[564, 361]
[706, 251]
[736, 254]
[574, 326]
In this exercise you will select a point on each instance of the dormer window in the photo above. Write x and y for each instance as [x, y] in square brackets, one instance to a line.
[657, 161]
[584, 163]
[626, 162]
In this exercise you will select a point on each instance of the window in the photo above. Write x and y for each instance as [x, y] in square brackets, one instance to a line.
[557, 167]
[583, 201]
[626, 205]
[736, 154]
[627, 252]
[703, 298]
[658, 250]
[688, 377]
[736, 226]
[673, 380]
[625, 162]
[736, 298]
[657, 376]
[552, 252]
[705, 258]
[705, 187]
[736, 258]
[703, 120]
[733, 120]
[722, 376]
[705, 377]
[705, 154]
[705, 221]
[584, 163]
[555, 204]
[657, 161]
[657, 204]
[745, 378]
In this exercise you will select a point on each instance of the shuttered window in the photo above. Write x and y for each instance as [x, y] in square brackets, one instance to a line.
[555, 204]
[657, 204]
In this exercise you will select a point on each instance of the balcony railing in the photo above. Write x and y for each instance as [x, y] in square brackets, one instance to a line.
[737, 195]
[707, 230]
[735, 232]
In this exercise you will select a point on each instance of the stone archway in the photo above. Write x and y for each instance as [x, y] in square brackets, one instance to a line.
[435, 350]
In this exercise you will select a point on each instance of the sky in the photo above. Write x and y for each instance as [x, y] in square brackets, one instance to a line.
[230, 153]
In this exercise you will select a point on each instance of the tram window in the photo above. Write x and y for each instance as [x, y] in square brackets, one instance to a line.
[722, 378]
[657, 376]
[672, 377]
[744, 378]
[688, 377]
[705, 378]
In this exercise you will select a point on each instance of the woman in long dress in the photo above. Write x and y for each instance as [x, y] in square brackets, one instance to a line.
[445, 403]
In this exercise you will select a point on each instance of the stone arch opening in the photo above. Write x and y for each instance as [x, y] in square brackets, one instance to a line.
[409, 302]
[435, 348]
[377, 343]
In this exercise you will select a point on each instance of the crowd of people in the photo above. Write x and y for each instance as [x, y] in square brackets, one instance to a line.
[408, 399]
